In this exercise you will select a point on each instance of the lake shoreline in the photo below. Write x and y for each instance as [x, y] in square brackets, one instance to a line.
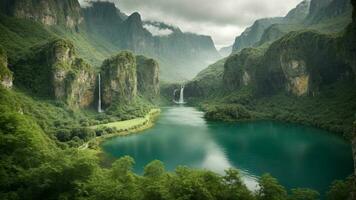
[128, 127]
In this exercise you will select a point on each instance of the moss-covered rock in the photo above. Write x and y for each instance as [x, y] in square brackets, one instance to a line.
[119, 79]
[240, 68]
[53, 70]
[5, 74]
[148, 77]
[301, 62]
[48, 12]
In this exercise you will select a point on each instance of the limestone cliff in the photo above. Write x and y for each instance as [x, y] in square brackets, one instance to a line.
[301, 62]
[253, 34]
[119, 79]
[239, 69]
[135, 37]
[48, 12]
[53, 70]
[148, 77]
[5, 74]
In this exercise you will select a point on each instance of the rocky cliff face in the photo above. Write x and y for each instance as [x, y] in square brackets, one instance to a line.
[179, 54]
[6, 77]
[73, 80]
[240, 68]
[119, 80]
[253, 34]
[103, 19]
[148, 77]
[54, 71]
[301, 62]
[321, 10]
[135, 37]
[327, 16]
[48, 12]
[299, 13]
[298, 63]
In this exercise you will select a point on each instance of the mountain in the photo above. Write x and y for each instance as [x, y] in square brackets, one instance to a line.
[175, 50]
[48, 12]
[225, 51]
[299, 13]
[329, 16]
[303, 76]
[254, 33]
[101, 29]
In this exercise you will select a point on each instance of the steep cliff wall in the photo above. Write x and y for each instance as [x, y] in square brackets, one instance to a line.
[119, 79]
[240, 68]
[253, 34]
[327, 16]
[6, 77]
[301, 62]
[148, 77]
[53, 71]
[48, 12]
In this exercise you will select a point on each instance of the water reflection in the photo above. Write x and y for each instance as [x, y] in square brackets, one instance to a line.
[298, 156]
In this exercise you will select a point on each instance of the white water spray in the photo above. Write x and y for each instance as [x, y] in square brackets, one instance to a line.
[181, 96]
[99, 100]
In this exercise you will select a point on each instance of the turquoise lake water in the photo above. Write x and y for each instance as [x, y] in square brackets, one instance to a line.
[299, 156]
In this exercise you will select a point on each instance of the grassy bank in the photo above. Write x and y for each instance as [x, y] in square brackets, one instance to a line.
[122, 128]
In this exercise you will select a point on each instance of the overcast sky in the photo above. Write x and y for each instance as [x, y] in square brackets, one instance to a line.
[222, 19]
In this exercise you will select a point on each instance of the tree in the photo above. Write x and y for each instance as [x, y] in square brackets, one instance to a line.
[270, 189]
[153, 180]
[304, 194]
[234, 187]
[340, 190]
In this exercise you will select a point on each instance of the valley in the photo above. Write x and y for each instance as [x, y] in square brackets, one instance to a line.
[96, 103]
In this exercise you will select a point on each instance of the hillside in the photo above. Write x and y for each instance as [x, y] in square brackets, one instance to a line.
[305, 76]
[323, 16]
[100, 30]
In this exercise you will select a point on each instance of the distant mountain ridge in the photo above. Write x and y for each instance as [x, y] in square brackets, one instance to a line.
[180, 54]
[309, 14]
[106, 29]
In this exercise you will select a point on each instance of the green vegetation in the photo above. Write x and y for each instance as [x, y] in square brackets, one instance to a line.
[4, 70]
[128, 124]
[41, 131]
[334, 109]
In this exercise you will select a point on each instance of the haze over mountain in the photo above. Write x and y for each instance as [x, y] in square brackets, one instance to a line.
[77, 79]
[230, 17]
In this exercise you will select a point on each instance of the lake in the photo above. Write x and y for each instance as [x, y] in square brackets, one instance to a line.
[298, 156]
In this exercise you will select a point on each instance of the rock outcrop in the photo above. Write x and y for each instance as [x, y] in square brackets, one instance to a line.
[119, 79]
[253, 34]
[6, 77]
[148, 77]
[48, 12]
[54, 71]
[240, 68]
[180, 55]
[327, 16]
[301, 62]
[296, 74]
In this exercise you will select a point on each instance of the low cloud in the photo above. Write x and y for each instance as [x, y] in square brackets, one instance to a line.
[222, 19]
[156, 31]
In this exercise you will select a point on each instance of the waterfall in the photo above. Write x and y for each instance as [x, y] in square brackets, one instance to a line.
[99, 100]
[181, 96]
